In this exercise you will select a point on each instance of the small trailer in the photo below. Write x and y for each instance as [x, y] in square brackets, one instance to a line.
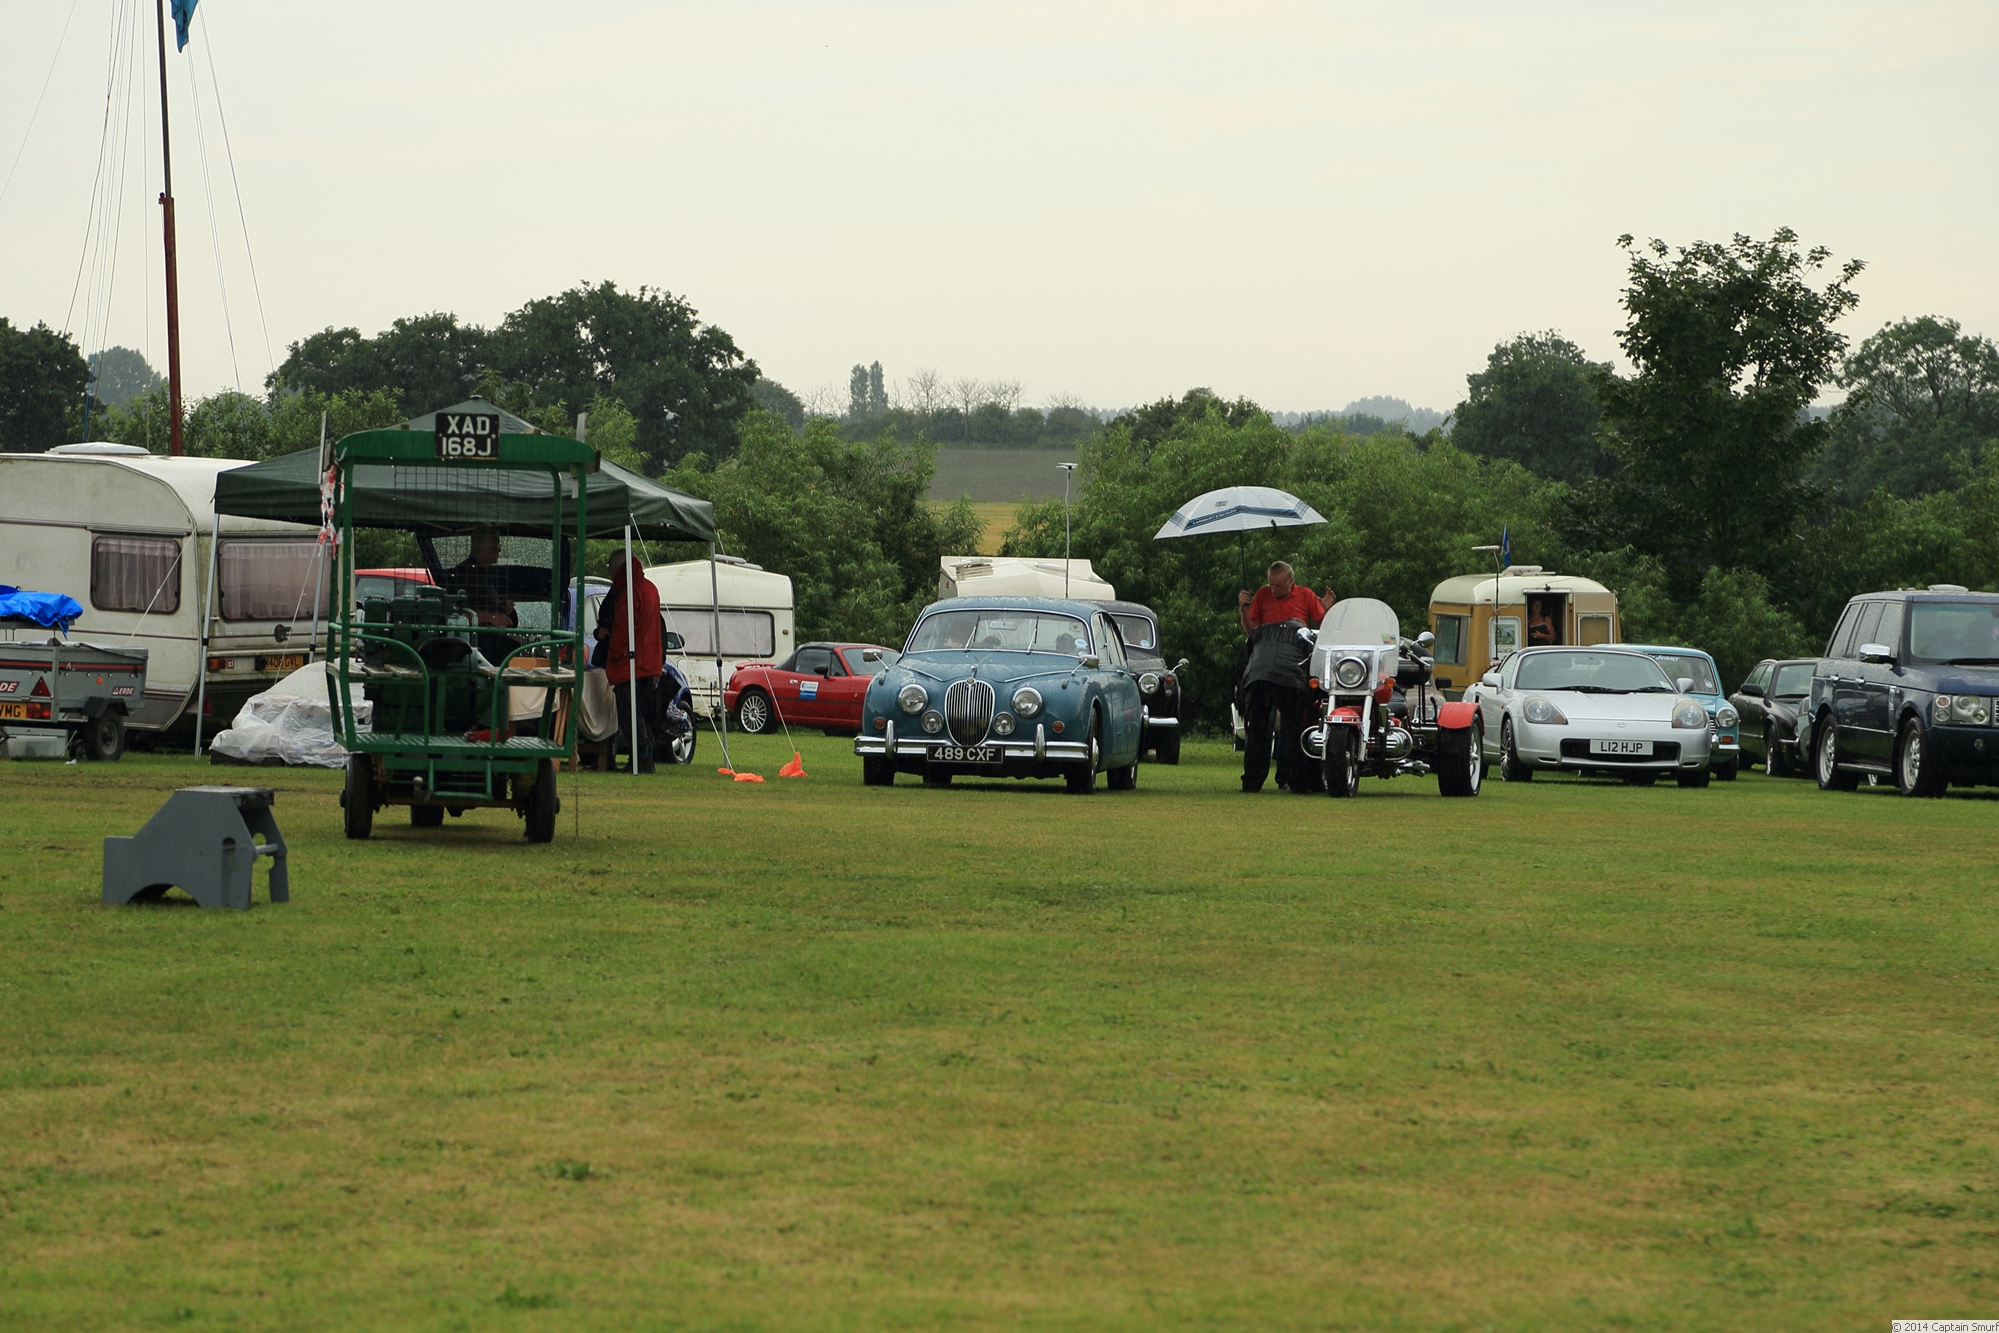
[79, 688]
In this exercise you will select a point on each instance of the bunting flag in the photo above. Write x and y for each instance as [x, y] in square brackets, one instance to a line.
[183, 15]
[794, 769]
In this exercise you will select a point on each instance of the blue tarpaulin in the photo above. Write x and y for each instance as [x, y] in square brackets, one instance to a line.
[54, 609]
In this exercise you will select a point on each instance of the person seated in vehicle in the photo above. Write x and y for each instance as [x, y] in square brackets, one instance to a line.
[1065, 644]
[1281, 599]
[1540, 623]
[485, 592]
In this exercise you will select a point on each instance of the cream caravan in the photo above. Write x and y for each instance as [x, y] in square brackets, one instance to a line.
[1009, 576]
[131, 536]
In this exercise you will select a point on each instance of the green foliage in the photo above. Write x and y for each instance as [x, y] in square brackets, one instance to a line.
[1401, 518]
[121, 375]
[426, 362]
[1922, 410]
[42, 376]
[228, 424]
[1890, 542]
[774, 398]
[1730, 344]
[1535, 403]
[846, 521]
[613, 432]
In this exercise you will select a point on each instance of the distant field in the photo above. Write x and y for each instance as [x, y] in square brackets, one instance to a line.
[1000, 475]
[998, 518]
[812, 1055]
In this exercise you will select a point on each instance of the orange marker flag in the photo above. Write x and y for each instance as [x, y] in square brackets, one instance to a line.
[749, 777]
[726, 772]
[794, 769]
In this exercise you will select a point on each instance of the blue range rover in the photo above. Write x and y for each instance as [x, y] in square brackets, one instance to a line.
[1908, 689]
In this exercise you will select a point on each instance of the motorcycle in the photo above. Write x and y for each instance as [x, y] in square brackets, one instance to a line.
[1378, 713]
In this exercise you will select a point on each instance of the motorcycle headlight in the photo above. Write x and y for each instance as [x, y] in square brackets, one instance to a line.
[1350, 673]
[1971, 710]
[1726, 717]
[933, 722]
[1149, 682]
[1689, 716]
[1003, 725]
[1027, 701]
[1544, 712]
[911, 698]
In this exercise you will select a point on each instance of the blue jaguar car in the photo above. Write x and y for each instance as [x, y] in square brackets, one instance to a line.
[1014, 687]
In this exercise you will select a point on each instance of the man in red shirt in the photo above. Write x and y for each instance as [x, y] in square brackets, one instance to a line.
[1281, 599]
[634, 663]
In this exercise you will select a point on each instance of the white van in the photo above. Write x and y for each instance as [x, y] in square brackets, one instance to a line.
[756, 619]
[128, 535]
[1010, 576]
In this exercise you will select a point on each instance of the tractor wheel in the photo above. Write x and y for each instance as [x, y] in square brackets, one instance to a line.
[358, 799]
[543, 804]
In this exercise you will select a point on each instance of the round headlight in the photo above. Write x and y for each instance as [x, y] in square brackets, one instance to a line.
[1726, 717]
[933, 722]
[1541, 711]
[1149, 682]
[911, 698]
[1027, 701]
[1690, 716]
[1971, 709]
[1003, 725]
[1351, 673]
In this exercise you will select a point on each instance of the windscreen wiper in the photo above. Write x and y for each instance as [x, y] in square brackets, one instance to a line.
[1972, 661]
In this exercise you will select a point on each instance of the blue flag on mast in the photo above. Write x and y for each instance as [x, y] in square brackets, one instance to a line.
[183, 15]
[1505, 546]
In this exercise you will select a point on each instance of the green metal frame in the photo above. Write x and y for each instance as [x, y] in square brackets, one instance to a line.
[473, 772]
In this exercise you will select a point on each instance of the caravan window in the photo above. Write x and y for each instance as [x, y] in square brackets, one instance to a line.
[135, 574]
[1450, 645]
[744, 633]
[268, 580]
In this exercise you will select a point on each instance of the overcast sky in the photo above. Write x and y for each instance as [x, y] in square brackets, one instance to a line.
[1301, 203]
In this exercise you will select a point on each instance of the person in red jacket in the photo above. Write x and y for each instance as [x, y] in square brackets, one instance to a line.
[636, 662]
[1280, 600]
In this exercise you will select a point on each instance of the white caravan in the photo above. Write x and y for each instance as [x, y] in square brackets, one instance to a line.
[129, 534]
[1010, 576]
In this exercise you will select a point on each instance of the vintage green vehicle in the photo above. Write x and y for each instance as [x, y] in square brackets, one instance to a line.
[1014, 687]
[473, 678]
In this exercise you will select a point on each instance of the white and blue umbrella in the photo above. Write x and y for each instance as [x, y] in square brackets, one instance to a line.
[1239, 509]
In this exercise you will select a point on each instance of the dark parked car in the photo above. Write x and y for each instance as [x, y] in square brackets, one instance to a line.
[1907, 689]
[1157, 682]
[1769, 702]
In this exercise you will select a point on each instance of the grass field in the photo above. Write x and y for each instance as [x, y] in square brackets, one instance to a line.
[817, 1056]
[998, 519]
[999, 476]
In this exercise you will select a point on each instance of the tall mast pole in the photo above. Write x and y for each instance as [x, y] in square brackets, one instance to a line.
[167, 214]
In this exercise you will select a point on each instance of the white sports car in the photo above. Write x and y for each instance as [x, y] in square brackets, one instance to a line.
[1589, 710]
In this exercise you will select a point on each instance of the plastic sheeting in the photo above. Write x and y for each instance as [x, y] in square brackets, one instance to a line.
[292, 722]
[53, 609]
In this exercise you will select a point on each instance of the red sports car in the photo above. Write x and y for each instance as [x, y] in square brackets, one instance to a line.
[820, 685]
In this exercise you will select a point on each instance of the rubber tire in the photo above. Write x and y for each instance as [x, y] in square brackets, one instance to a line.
[681, 750]
[936, 777]
[543, 803]
[1460, 771]
[426, 816]
[1726, 770]
[1341, 764]
[1640, 779]
[1912, 750]
[1694, 780]
[756, 714]
[1478, 749]
[1123, 779]
[1168, 749]
[1510, 767]
[103, 737]
[1825, 759]
[1776, 763]
[358, 800]
[1083, 780]
[877, 772]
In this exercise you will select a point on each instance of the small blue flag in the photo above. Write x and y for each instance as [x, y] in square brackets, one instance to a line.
[183, 15]
[1505, 547]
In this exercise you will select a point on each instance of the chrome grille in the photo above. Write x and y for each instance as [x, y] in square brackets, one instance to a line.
[968, 710]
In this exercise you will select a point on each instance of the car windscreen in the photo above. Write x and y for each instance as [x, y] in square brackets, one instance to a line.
[1690, 666]
[1607, 673]
[1966, 633]
[1792, 682]
[1138, 632]
[1007, 631]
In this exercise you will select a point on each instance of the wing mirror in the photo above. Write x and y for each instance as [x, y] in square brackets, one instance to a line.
[1180, 666]
[1490, 678]
[1307, 635]
[871, 654]
[1752, 692]
[1090, 660]
[675, 643]
[1425, 639]
[1684, 684]
[1876, 652]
